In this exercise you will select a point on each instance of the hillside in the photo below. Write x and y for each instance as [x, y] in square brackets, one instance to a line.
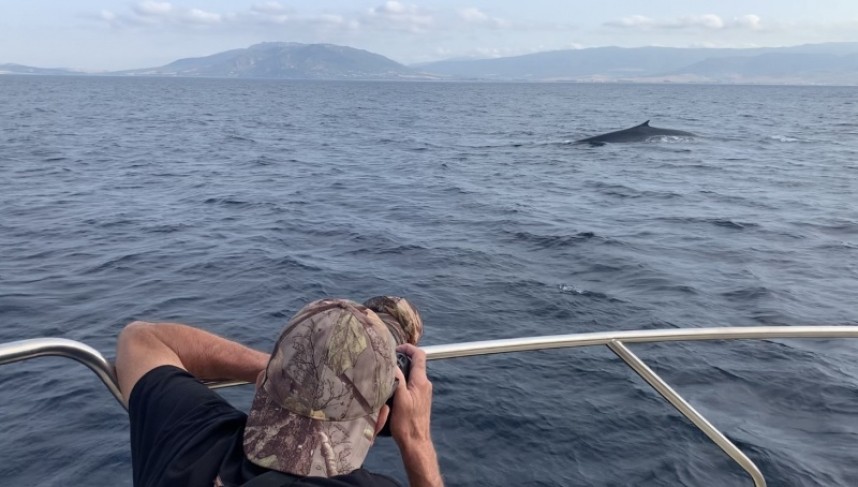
[281, 60]
[21, 69]
[818, 63]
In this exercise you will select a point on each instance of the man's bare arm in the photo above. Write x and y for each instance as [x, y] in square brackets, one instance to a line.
[144, 346]
[409, 424]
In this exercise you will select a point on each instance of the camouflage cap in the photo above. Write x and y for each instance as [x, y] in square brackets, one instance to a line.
[400, 316]
[332, 369]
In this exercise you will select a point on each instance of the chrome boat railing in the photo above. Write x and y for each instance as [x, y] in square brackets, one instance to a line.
[616, 341]
[61, 347]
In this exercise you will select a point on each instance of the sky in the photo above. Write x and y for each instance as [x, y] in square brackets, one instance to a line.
[111, 35]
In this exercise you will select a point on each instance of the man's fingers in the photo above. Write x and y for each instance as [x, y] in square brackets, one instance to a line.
[401, 382]
[407, 349]
[418, 359]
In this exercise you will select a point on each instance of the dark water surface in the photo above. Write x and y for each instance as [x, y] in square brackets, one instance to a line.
[230, 204]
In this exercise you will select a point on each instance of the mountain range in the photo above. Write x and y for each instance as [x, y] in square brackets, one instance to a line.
[285, 60]
[831, 63]
[834, 63]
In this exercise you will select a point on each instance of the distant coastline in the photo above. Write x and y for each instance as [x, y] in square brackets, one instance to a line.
[833, 64]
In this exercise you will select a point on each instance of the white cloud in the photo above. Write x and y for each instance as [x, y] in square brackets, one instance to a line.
[476, 16]
[269, 16]
[632, 21]
[699, 22]
[333, 20]
[152, 14]
[270, 8]
[750, 21]
[278, 17]
[197, 16]
[707, 21]
[150, 8]
[398, 16]
[473, 15]
[391, 7]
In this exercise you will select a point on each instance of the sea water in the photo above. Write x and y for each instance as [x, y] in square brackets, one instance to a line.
[229, 204]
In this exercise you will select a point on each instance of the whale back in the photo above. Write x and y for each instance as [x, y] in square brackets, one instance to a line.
[633, 134]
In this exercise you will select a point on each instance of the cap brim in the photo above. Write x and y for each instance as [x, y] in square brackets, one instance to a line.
[281, 440]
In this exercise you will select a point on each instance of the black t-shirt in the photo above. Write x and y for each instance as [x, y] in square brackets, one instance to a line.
[183, 434]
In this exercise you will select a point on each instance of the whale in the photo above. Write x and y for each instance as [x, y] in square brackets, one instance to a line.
[638, 133]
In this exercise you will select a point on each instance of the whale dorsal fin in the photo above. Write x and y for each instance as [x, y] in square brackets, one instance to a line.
[645, 124]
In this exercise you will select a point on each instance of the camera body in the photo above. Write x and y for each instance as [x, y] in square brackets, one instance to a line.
[404, 363]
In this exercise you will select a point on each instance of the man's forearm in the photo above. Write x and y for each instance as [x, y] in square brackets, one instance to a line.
[421, 465]
[144, 346]
[208, 356]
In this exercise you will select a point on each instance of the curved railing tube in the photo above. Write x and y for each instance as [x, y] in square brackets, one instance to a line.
[61, 347]
[615, 340]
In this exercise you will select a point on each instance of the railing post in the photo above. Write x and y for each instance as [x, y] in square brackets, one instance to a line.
[662, 387]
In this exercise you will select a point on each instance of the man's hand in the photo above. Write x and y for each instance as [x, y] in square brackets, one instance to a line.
[409, 423]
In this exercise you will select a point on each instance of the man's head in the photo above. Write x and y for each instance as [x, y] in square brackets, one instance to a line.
[332, 369]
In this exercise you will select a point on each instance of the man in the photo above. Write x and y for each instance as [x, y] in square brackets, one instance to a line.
[320, 400]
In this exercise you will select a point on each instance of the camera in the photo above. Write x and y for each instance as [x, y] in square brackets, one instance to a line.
[404, 363]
